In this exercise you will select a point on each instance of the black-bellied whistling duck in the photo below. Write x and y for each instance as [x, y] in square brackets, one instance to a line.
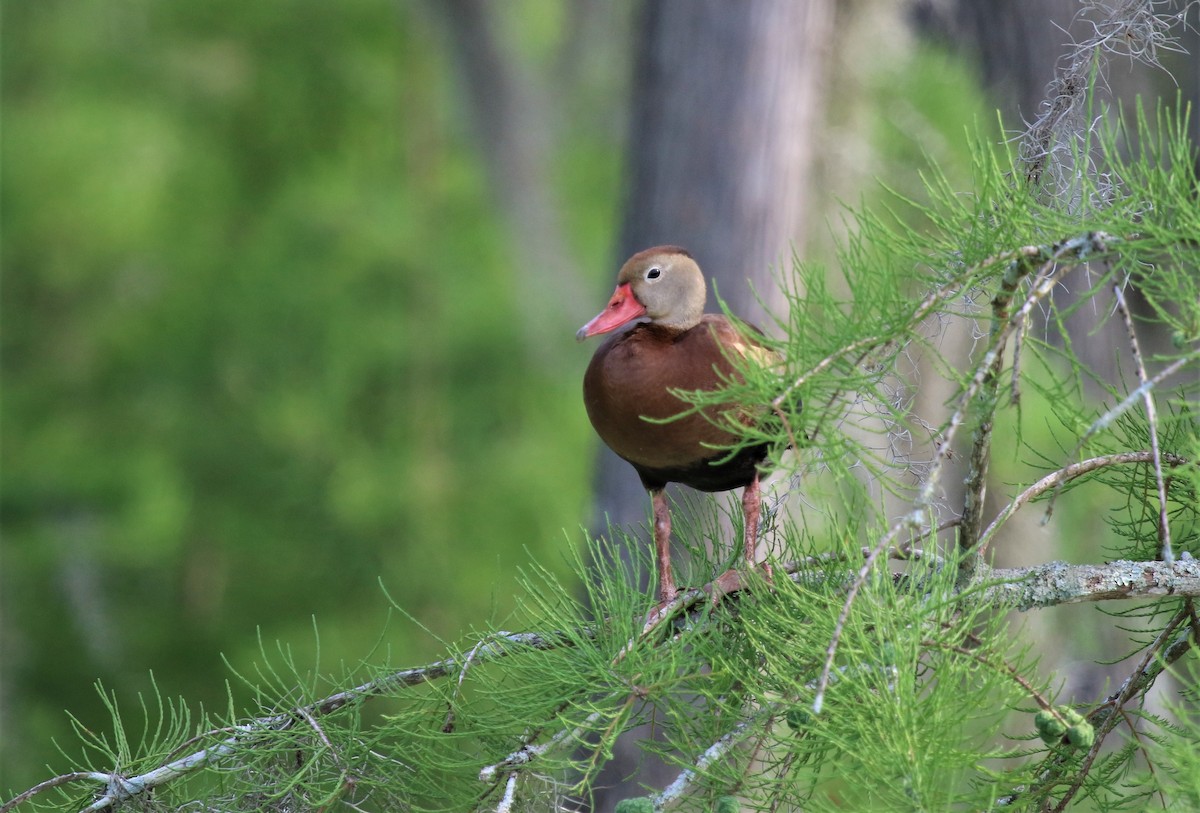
[676, 346]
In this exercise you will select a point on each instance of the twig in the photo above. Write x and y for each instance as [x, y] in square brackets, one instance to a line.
[1046, 585]
[347, 780]
[906, 550]
[865, 345]
[448, 725]
[684, 602]
[50, 784]
[307, 716]
[716, 751]
[1164, 527]
[527, 753]
[510, 792]
[923, 309]
[1024, 588]
[1014, 396]
[1048, 275]
[985, 400]
[1065, 475]
[1080, 246]
[910, 522]
[1105, 420]
[1102, 716]
[785, 767]
[1003, 666]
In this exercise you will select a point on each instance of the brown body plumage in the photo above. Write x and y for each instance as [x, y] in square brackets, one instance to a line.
[630, 379]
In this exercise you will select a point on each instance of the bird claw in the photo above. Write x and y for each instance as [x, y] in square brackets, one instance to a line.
[728, 582]
[732, 581]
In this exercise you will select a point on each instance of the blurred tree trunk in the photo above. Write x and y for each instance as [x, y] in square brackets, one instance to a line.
[1014, 43]
[726, 102]
[516, 115]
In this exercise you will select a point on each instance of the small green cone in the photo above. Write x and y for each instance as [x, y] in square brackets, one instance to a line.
[1049, 727]
[1081, 735]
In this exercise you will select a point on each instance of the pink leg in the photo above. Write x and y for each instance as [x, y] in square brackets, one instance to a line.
[751, 509]
[731, 580]
[662, 545]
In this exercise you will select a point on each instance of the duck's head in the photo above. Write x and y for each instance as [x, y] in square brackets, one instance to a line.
[662, 285]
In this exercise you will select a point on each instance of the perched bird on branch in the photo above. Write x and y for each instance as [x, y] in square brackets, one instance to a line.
[628, 386]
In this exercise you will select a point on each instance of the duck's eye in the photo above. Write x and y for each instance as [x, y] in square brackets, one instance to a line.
[654, 273]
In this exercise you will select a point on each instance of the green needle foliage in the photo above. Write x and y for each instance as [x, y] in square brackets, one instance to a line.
[875, 668]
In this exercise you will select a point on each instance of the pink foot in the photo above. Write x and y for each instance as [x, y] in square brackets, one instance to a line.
[732, 581]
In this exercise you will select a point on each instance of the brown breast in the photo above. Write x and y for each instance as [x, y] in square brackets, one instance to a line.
[630, 377]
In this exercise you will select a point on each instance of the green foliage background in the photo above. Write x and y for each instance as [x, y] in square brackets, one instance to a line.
[260, 350]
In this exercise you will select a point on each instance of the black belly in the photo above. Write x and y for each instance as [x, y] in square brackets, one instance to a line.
[708, 475]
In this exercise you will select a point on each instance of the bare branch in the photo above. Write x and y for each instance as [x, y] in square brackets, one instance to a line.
[912, 522]
[1081, 248]
[529, 752]
[976, 482]
[1000, 666]
[1164, 527]
[1057, 479]
[1059, 583]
